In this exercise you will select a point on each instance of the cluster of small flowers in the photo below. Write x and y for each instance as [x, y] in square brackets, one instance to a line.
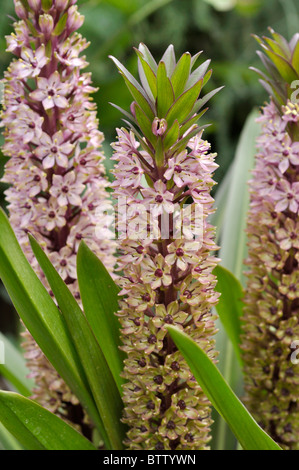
[271, 312]
[54, 149]
[167, 280]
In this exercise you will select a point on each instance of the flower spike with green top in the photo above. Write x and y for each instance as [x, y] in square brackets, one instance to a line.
[163, 176]
[55, 165]
[271, 322]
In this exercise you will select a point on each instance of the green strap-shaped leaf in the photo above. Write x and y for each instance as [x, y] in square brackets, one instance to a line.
[100, 379]
[147, 76]
[14, 368]
[182, 107]
[41, 316]
[169, 60]
[181, 74]
[135, 89]
[144, 125]
[99, 295]
[250, 435]
[230, 305]
[36, 428]
[165, 95]
[7, 441]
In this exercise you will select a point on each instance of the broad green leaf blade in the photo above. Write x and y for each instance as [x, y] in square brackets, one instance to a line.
[233, 240]
[144, 125]
[169, 60]
[135, 89]
[36, 428]
[232, 254]
[181, 74]
[147, 76]
[41, 316]
[7, 441]
[99, 295]
[99, 377]
[250, 435]
[165, 95]
[14, 368]
[230, 305]
[182, 107]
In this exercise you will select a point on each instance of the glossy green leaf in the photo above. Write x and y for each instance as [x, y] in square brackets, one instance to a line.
[14, 368]
[101, 301]
[233, 252]
[135, 89]
[165, 95]
[202, 101]
[36, 428]
[41, 316]
[7, 441]
[250, 435]
[60, 26]
[182, 107]
[181, 74]
[172, 135]
[295, 58]
[168, 59]
[285, 69]
[198, 73]
[147, 76]
[46, 5]
[230, 305]
[144, 124]
[148, 57]
[99, 377]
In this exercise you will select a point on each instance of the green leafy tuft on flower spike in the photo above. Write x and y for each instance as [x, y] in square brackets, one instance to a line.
[281, 61]
[166, 106]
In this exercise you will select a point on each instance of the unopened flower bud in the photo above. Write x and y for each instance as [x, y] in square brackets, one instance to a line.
[46, 24]
[159, 126]
[74, 19]
[20, 10]
[61, 4]
[34, 4]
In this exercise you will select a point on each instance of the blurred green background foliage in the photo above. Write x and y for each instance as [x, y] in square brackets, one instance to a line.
[222, 29]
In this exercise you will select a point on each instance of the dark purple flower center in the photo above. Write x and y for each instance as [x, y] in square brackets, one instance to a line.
[63, 262]
[65, 189]
[146, 297]
[178, 169]
[52, 214]
[135, 170]
[159, 198]
[54, 149]
[180, 252]
[181, 404]
[159, 273]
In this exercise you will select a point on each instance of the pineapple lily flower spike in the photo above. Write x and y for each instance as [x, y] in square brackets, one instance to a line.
[166, 269]
[271, 324]
[55, 160]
